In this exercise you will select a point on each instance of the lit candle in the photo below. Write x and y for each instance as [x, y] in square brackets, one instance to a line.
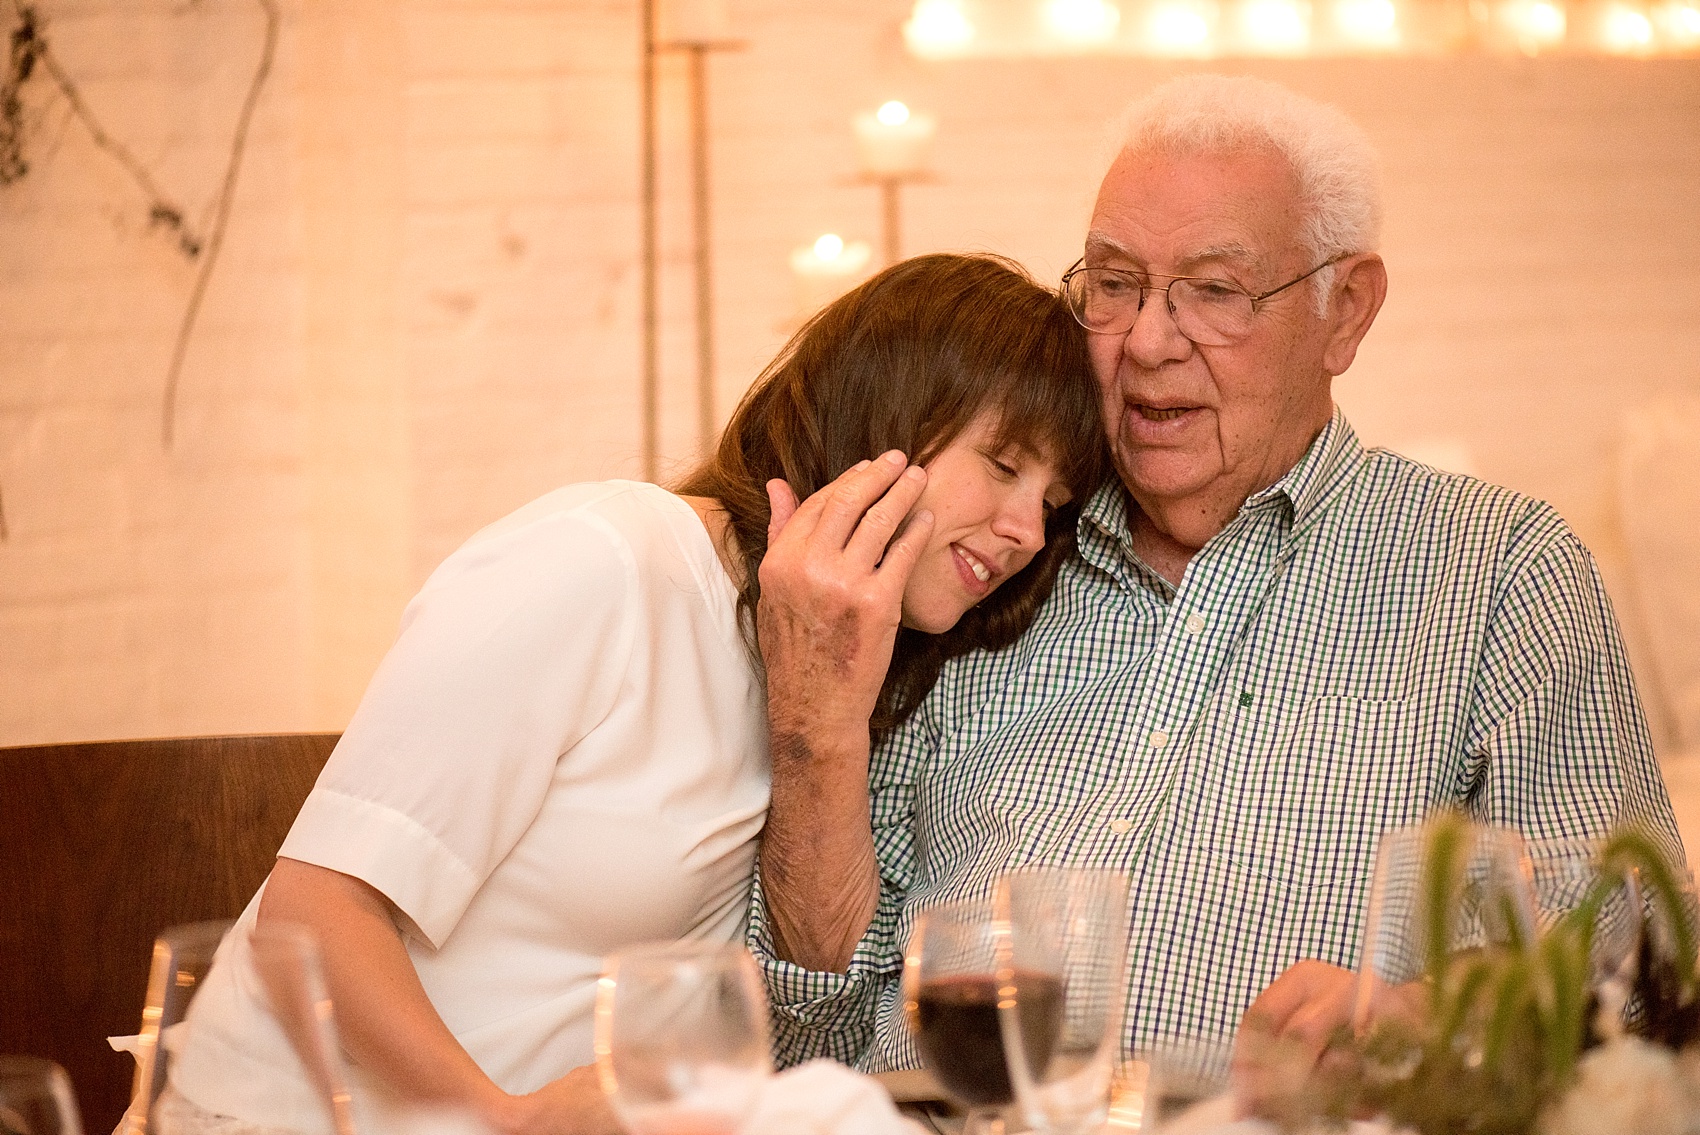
[826, 270]
[695, 21]
[892, 142]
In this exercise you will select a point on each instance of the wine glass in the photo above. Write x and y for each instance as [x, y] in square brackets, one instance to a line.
[950, 995]
[36, 1099]
[1440, 888]
[1062, 990]
[681, 1037]
[182, 955]
[285, 958]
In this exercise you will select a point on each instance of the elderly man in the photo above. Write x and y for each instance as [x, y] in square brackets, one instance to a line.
[1273, 645]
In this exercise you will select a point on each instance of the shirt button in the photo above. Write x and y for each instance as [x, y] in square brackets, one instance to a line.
[1158, 739]
[1121, 827]
[1194, 624]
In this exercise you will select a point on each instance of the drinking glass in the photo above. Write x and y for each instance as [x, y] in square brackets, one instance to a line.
[681, 1037]
[1440, 888]
[285, 959]
[951, 986]
[36, 1099]
[1062, 989]
[182, 955]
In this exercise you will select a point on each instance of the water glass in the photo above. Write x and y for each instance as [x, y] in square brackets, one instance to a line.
[36, 1098]
[681, 1037]
[1062, 991]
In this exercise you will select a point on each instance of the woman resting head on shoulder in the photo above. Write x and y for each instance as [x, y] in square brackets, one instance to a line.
[564, 752]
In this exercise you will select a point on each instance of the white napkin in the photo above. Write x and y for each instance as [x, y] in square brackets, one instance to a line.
[826, 1098]
[1216, 1117]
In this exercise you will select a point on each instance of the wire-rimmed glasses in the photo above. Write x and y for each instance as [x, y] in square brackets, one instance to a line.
[1208, 311]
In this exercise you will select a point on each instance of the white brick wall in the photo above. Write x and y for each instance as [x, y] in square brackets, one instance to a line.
[427, 310]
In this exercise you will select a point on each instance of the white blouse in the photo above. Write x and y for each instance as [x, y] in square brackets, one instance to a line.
[564, 753]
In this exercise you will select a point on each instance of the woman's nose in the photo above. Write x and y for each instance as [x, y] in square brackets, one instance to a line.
[1021, 520]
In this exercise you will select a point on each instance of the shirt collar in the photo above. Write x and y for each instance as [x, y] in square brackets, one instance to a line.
[1326, 467]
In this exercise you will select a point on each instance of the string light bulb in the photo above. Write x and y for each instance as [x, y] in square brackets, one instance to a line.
[1177, 27]
[1535, 24]
[1626, 30]
[1082, 21]
[938, 28]
[1276, 27]
[1369, 23]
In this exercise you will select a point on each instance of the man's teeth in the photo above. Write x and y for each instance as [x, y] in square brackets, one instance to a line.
[980, 570]
[1152, 414]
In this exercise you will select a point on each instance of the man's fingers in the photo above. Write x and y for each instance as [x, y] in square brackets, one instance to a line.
[782, 506]
[901, 556]
[847, 500]
[870, 542]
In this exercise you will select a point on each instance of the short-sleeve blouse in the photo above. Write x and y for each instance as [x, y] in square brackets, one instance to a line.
[563, 753]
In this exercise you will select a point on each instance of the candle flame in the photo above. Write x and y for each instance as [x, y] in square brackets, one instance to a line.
[829, 247]
[892, 113]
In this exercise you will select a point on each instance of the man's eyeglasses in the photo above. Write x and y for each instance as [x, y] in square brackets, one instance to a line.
[1212, 313]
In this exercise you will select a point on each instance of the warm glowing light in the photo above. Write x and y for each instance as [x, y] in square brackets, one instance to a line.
[1625, 29]
[1082, 21]
[1369, 22]
[938, 27]
[1535, 23]
[892, 113]
[1681, 21]
[830, 246]
[1278, 27]
[1177, 28]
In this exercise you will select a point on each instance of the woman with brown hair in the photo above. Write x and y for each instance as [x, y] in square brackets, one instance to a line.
[564, 753]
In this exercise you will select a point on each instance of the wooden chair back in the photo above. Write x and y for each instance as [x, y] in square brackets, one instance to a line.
[102, 846]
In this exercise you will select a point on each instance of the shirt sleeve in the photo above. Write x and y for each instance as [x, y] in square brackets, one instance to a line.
[515, 649]
[834, 1015]
[1559, 744]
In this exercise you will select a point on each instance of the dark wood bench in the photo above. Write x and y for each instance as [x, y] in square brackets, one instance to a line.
[102, 846]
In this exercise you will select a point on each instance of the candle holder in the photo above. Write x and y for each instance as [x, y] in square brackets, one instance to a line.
[695, 29]
[892, 145]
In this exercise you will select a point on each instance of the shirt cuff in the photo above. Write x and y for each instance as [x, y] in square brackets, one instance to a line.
[391, 852]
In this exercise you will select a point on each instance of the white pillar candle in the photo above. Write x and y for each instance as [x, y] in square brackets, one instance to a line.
[695, 21]
[891, 142]
[826, 270]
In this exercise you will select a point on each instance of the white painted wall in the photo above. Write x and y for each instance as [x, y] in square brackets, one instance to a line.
[427, 310]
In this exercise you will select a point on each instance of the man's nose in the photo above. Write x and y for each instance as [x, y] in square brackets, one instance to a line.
[1154, 338]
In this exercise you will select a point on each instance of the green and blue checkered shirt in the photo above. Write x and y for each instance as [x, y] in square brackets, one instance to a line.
[1369, 639]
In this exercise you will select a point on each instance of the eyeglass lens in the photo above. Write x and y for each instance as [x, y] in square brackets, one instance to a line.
[1209, 312]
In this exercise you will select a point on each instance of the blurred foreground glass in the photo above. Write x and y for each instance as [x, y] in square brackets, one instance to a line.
[950, 997]
[1434, 898]
[181, 957]
[681, 1037]
[1062, 991]
[286, 961]
[36, 1098]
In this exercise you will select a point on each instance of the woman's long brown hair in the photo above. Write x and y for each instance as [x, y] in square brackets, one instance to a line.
[907, 361]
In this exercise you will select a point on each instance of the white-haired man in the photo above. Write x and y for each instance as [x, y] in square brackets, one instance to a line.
[1273, 645]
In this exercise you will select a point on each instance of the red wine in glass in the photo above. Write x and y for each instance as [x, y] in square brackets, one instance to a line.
[956, 1028]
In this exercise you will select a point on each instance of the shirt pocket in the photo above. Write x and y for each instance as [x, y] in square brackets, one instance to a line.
[1316, 792]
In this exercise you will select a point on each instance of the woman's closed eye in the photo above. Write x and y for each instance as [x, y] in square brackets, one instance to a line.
[1000, 466]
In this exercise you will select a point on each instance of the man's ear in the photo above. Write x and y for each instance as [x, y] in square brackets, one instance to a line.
[1360, 286]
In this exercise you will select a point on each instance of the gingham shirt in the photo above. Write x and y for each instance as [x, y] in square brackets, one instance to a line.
[1366, 640]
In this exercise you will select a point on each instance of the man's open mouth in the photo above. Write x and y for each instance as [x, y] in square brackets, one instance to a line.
[1161, 414]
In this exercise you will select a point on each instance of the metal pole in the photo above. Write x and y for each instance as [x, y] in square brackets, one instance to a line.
[650, 367]
[893, 228]
[704, 281]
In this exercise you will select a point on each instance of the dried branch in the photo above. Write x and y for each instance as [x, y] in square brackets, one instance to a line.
[221, 221]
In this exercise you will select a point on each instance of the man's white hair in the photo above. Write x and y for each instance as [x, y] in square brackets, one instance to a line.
[1338, 173]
